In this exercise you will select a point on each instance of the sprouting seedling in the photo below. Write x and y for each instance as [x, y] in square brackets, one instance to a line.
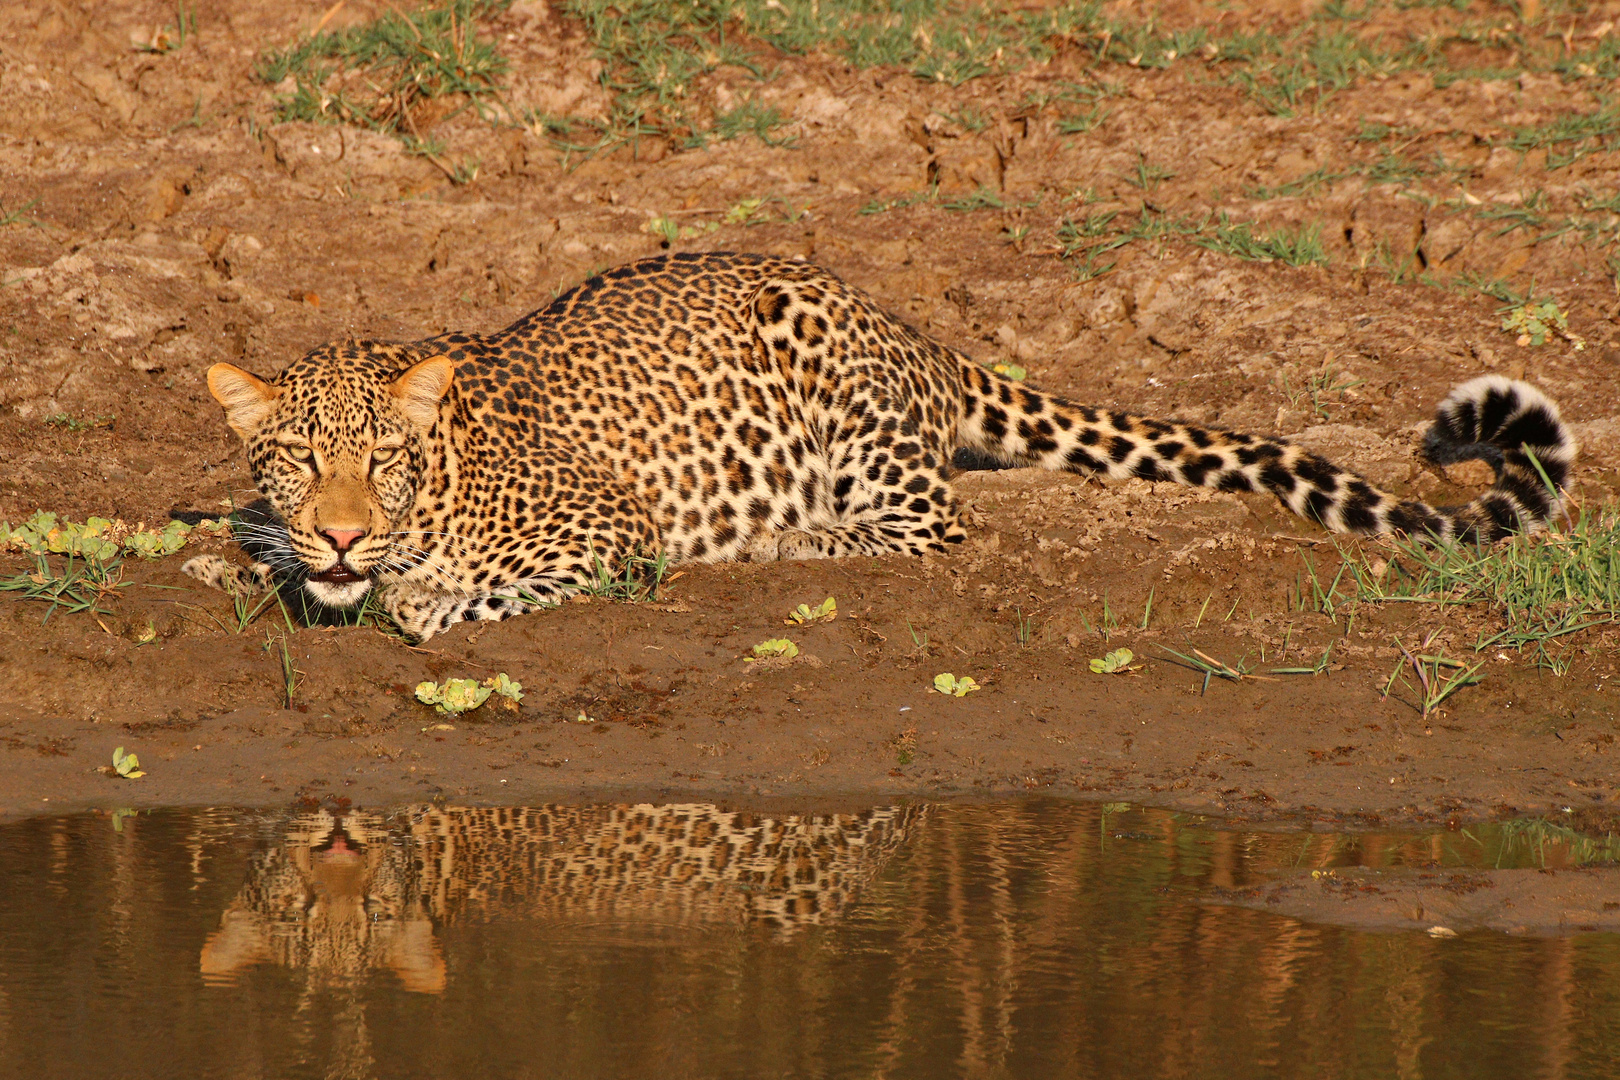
[1117, 662]
[951, 686]
[773, 648]
[127, 766]
[804, 614]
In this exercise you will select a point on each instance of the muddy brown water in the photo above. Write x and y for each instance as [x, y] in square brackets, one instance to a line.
[1040, 939]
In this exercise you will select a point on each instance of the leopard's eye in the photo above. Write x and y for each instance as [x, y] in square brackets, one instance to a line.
[298, 453]
[384, 454]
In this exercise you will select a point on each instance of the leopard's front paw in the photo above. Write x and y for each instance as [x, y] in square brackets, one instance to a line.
[218, 572]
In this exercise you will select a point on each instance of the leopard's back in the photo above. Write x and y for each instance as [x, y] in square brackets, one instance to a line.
[721, 388]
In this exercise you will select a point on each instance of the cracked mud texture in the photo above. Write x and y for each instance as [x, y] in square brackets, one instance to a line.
[177, 224]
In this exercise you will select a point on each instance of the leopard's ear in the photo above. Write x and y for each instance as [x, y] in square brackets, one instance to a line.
[245, 397]
[421, 387]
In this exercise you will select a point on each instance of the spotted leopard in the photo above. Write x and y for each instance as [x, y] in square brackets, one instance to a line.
[719, 407]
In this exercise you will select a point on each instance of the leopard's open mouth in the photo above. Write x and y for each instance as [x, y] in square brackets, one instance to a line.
[338, 574]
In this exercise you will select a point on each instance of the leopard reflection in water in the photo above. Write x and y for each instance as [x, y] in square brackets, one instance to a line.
[343, 896]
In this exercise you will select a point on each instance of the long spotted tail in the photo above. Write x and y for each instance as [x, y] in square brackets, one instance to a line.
[1511, 425]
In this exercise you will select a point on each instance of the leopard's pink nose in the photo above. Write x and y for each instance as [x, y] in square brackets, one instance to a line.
[342, 539]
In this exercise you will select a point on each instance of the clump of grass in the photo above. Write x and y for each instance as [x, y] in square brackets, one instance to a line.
[1107, 625]
[1525, 214]
[78, 425]
[1540, 587]
[879, 206]
[1322, 664]
[1317, 386]
[79, 584]
[637, 579]
[656, 55]
[981, 199]
[1304, 185]
[1438, 676]
[1085, 240]
[374, 75]
[1024, 625]
[1581, 133]
[1148, 175]
[1316, 598]
[1088, 239]
[1082, 122]
[656, 52]
[1296, 247]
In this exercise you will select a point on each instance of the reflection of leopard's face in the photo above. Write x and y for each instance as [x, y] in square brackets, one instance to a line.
[343, 896]
[328, 900]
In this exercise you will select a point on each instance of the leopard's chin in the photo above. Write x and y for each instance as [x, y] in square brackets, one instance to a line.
[344, 594]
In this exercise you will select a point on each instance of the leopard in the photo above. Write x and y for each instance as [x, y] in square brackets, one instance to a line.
[348, 893]
[714, 407]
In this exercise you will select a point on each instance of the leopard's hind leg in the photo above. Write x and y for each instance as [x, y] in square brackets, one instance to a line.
[881, 403]
[885, 506]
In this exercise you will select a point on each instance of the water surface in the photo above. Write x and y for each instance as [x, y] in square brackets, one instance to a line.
[1037, 939]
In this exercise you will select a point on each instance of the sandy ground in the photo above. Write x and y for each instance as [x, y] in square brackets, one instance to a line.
[178, 224]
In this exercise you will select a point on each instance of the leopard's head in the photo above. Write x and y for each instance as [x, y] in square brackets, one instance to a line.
[339, 444]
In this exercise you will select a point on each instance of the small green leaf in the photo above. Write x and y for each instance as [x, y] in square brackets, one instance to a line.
[743, 211]
[127, 765]
[455, 696]
[1011, 371]
[151, 544]
[772, 648]
[505, 687]
[1116, 661]
[947, 683]
[804, 614]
